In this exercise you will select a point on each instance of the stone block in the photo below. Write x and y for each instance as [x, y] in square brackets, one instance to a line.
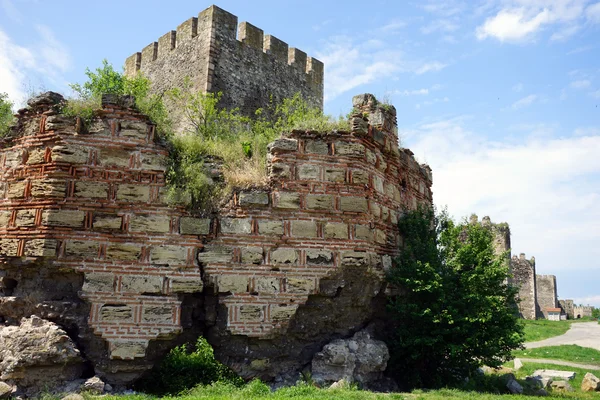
[215, 254]
[319, 257]
[123, 252]
[304, 229]
[252, 255]
[116, 313]
[389, 190]
[248, 199]
[320, 202]
[16, 190]
[309, 172]
[115, 157]
[9, 247]
[40, 248]
[122, 349]
[232, 283]
[300, 285]
[284, 256]
[382, 165]
[150, 223]
[386, 261]
[375, 209]
[194, 226]
[5, 217]
[355, 259]
[141, 284]
[107, 221]
[363, 232]
[134, 130]
[13, 158]
[371, 157]
[270, 227]
[250, 314]
[236, 226]
[287, 200]
[316, 147]
[98, 282]
[378, 183]
[283, 145]
[91, 190]
[187, 285]
[153, 162]
[349, 149]
[137, 193]
[282, 313]
[25, 218]
[158, 314]
[280, 170]
[354, 204]
[380, 236]
[69, 218]
[336, 230]
[70, 154]
[267, 285]
[84, 249]
[36, 156]
[169, 254]
[337, 175]
[360, 177]
[48, 188]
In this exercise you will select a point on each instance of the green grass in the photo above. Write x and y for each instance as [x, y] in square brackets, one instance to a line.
[570, 352]
[543, 329]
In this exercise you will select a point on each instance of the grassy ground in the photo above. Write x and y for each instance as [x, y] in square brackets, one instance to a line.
[543, 329]
[571, 352]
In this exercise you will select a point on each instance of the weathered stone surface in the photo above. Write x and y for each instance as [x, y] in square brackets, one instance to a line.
[134, 130]
[107, 221]
[354, 204]
[363, 232]
[282, 313]
[169, 254]
[116, 313]
[123, 252]
[360, 177]
[551, 373]
[94, 385]
[518, 364]
[316, 147]
[284, 256]
[117, 157]
[5, 390]
[280, 170]
[48, 188]
[16, 190]
[153, 162]
[349, 149]
[123, 349]
[13, 158]
[25, 218]
[355, 259]
[254, 199]
[267, 285]
[287, 200]
[91, 190]
[232, 283]
[150, 223]
[84, 249]
[70, 218]
[590, 383]
[240, 226]
[158, 314]
[336, 230]
[70, 154]
[561, 386]
[319, 202]
[36, 156]
[98, 282]
[9, 247]
[513, 386]
[38, 354]
[337, 175]
[194, 226]
[300, 285]
[266, 227]
[359, 359]
[252, 255]
[5, 218]
[137, 193]
[283, 145]
[186, 285]
[251, 313]
[319, 257]
[215, 254]
[40, 248]
[304, 229]
[309, 172]
[141, 284]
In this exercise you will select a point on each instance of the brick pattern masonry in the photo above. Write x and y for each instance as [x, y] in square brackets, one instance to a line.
[93, 202]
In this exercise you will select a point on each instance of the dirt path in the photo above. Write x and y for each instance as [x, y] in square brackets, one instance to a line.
[559, 362]
[584, 334]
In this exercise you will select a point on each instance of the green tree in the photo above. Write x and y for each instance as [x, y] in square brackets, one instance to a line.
[595, 312]
[6, 114]
[455, 311]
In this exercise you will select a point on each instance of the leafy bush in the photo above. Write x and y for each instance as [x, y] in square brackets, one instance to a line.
[456, 311]
[6, 114]
[185, 367]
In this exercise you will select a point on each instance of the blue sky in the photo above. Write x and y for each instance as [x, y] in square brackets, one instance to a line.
[500, 97]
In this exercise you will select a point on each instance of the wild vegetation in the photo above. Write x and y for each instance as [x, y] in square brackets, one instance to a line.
[541, 329]
[6, 114]
[455, 311]
[568, 352]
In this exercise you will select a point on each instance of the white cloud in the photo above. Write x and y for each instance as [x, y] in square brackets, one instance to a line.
[524, 102]
[430, 67]
[593, 13]
[393, 26]
[20, 65]
[414, 92]
[591, 300]
[521, 20]
[580, 84]
[440, 25]
[547, 190]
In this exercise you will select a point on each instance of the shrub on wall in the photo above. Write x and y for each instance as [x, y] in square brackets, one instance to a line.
[6, 114]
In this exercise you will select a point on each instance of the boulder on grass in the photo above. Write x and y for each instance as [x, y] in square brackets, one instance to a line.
[561, 386]
[590, 383]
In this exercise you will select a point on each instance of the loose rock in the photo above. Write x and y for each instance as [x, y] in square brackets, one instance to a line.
[590, 383]
[514, 387]
[550, 373]
[5, 390]
[561, 386]
[518, 364]
[94, 385]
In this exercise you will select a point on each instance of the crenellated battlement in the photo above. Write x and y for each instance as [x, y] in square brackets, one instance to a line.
[241, 61]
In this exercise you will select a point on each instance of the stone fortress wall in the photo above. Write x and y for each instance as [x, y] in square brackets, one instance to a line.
[546, 294]
[524, 277]
[249, 70]
[90, 204]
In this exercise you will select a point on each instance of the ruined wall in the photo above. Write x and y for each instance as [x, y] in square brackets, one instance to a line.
[280, 271]
[568, 308]
[583, 311]
[248, 70]
[546, 294]
[523, 277]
